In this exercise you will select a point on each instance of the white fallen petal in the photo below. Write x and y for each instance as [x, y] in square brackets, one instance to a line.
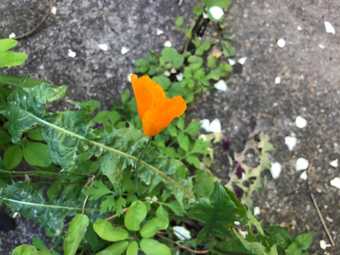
[299, 28]
[301, 164]
[334, 163]
[179, 76]
[304, 176]
[54, 10]
[277, 80]
[290, 141]
[129, 77]
[257, 211]
[281, 43]
[12, 35]
[167, 73]
[182, 233]
[221, 85]
[329, 28]
[276, 170]
[300, 122]
[324, 245]
[242, 61]
[243, 233]
[215, 126]
[167, 44]
[71, 53]
[159, 31]
[336, 182]
[205, 124]
[124, 50]
[216, 12]
[231, 61]
[103, 46]
[321, 46]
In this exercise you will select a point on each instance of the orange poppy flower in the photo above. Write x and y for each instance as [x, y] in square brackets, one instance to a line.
[155, 110]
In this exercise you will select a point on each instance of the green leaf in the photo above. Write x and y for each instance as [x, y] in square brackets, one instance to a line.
[25, 250]
[18, 81]
[132, 248]
[170, 58]
[107, 232]
[75, 234]
[184, 142]
[134, 216]
[153, 247]
[115, 249]
[300, 244]
[163, 81]
[97, 190]
[12, 157]
[204, 184]
[160, 222]
[11, 59]
[7, 44]
[36, 154]
[221, 3]
[35, 134]
[4, 137]
[179, 21]
[193, 128]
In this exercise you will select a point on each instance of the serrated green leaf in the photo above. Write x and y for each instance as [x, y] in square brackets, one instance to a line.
[135, 215]
[97, 190]
[75, 234]
[153, 247]
[132, 248]
[36, 154]
[25, 249]
[107, 232]
[12, 157]
[7, 44]
[170, 58]
[115, 249]
[183, 141]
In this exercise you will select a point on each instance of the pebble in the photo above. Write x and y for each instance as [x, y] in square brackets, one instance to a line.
[281, 43]
[216, 12]
[300, 122]
[276, 170]
[221, 85]
[124, 50]
[335, 182]
[321, 46]
[329, 28]
[71, 53]
[290, 141]
[159, 31]
[278, 80]
[304, 175]
[301, 164]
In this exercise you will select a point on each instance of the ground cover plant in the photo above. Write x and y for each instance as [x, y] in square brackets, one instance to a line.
[135, 178]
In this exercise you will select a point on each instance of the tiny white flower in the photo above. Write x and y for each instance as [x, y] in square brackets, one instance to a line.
[216, 12]
[231, 61]
[276, 170]
[304, 176]
[179, 76]
[277, 80]
[334, 163]
[281, 43]
[301, 164]
[71, 53]
[103, 46]
[221, 85]
[182, 233]
[290, 141]
[242, 61]
[12, 35]
[324, 245]
[124, 50]
[329, 28]
[300, 122]
[159, 31]
[54, 10]
[336, 182]
[167, 44]
[257, 211]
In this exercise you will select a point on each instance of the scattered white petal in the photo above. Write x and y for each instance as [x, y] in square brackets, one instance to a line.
[300, 122]
[304, 176]
[221, 85]
[173, 70]
[278, 80]
[281, 43]
[167, 44]
[237, 223]
[334, 163]
[336, 182]
[299, 28]
[321, 46]
[167, 73]
[179, 76]
[54, 10]
[103, 46]
[231, 61]
[301, 164]
[159, 31]
[324, 245]
[290, 141]
[242, 61]
[12, 35]
[212, 127]
[257, 210]
[329, 28]
[276, 170]
[243, 233]
[182, 233]
[216, 12]
[129, 77]
[124, 50]
[71, 53]
[205, 16]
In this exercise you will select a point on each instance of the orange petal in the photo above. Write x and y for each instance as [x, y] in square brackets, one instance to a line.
[147, 92]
